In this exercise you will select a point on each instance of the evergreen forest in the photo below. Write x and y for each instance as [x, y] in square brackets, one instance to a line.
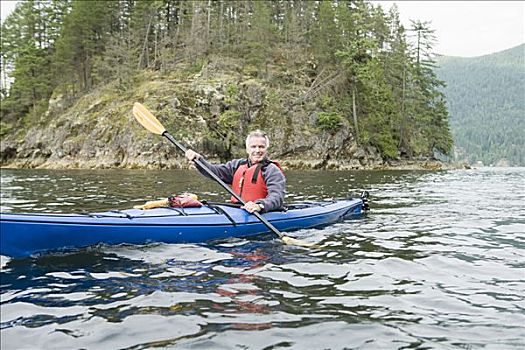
[486, 97]
[364, 73]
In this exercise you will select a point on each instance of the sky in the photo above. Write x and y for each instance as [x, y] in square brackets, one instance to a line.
[6, 7]
[467, 28]
[462, 28]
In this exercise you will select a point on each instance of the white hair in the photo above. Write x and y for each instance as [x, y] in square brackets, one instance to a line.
[257, 133]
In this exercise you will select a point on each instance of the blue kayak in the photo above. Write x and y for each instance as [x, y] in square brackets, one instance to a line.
[27, 234]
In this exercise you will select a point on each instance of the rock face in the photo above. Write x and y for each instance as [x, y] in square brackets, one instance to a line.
[209, 112]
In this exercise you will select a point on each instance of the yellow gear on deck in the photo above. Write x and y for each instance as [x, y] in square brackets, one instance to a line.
[163, 202]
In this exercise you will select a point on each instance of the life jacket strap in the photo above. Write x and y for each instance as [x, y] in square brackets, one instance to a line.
[258, 170]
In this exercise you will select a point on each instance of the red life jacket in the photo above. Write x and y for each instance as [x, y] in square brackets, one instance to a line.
[249, 183]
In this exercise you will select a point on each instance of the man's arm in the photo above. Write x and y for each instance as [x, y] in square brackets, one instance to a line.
[276, 184]
[223, 171]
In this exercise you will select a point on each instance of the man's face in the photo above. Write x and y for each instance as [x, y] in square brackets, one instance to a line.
[256, 149]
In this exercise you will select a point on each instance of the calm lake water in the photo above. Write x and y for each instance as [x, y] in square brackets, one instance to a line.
[438, 263]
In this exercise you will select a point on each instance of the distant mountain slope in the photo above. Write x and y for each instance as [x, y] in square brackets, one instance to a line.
[486, 97]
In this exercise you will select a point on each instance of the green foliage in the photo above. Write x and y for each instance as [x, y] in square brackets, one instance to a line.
[329, 121]
[114, 66]
[27, 38]
[32, 75]
[259, 38]
[36, 116]
[196, 67]
[326, 102]
[324, 33]
[232, 91]
[229, 119]
[386, 144]
[86, 31]
[5, 128]
[486, 101]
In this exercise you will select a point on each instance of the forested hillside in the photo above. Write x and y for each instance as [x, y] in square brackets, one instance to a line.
[329, 80]
[486, 97]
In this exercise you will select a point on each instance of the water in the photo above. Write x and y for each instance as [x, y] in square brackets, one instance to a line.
[438, 263]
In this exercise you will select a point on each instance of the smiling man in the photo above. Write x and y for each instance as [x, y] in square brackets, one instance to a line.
[259, 181]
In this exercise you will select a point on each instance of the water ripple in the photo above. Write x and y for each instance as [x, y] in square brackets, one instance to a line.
[437, 264]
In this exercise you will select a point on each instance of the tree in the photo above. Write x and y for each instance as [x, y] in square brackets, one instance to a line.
[428, 111]
[28, 35]
[324, 35]
[85, 34]
[260, 37]
[397, 63]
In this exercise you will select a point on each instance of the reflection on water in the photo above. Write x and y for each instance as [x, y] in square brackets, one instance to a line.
[438, 264]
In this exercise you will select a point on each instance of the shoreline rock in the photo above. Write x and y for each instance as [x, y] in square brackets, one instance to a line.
[150, 163]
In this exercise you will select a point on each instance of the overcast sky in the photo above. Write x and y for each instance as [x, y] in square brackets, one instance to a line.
[462, 28]
[6, 7]
[468, 28]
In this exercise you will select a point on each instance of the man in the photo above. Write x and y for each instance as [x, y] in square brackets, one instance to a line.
[257, 180]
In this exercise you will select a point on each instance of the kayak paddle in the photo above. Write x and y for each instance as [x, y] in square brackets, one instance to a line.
[148, 121]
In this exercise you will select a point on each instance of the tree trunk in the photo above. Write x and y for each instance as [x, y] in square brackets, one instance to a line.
[144, 53]
[208, 26]
[403, 116]
[354, 113]
[221, 28]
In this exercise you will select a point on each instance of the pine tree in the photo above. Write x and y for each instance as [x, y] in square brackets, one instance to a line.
[429, 113]
[324, 36]
[260, 38]
[28, 35]
[85, 33]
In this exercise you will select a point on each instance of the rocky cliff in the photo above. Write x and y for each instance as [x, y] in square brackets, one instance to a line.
[208, 110]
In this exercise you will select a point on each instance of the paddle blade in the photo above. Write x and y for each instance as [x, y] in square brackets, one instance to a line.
[147, 120]
[293, 241]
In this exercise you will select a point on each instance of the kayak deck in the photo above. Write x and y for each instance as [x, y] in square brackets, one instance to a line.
[28, 233]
